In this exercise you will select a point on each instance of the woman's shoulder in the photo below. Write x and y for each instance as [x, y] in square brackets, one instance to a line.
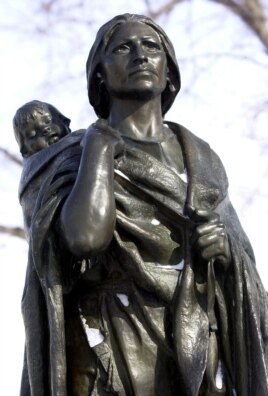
[196, 148]
[203, 165]
[187, 136]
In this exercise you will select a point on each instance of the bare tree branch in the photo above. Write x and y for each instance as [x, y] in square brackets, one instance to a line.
[165, 9]
[252, 14]
[13, 231]
[232, 55]
[11, 156]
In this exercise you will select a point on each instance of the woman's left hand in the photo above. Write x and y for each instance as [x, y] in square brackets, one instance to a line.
[210, 238]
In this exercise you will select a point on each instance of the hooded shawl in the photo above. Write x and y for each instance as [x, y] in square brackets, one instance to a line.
[241, 301]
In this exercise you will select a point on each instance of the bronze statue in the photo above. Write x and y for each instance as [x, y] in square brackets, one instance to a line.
[132, 238]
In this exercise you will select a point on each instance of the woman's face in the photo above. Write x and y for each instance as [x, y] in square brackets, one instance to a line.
[135, 63]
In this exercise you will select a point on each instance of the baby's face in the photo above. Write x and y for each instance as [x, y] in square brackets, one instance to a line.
[41, 131]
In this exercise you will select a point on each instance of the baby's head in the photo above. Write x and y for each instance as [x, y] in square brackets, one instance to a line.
[37, 125]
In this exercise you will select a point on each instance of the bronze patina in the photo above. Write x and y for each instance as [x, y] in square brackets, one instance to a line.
[140, 279]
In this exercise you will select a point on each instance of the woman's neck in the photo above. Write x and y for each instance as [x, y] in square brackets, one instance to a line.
[137, 119]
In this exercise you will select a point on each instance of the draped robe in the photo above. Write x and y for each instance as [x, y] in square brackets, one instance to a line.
[54, 276]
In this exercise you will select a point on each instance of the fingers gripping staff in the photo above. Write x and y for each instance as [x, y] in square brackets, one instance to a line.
[211, 241]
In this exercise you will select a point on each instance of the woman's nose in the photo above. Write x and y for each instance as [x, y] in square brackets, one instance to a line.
[139, 55]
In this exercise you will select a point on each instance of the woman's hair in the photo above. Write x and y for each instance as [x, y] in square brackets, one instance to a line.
[97, 93]
[26, 113]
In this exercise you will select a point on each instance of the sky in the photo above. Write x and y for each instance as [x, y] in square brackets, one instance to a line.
[224, 83]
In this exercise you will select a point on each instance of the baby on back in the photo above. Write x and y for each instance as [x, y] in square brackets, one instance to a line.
[37, 125]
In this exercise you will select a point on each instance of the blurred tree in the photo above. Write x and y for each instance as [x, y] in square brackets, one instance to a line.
[62, 32]
[222, 48]
[252, 12]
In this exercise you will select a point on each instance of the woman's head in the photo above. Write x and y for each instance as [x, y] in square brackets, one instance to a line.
[98, 95]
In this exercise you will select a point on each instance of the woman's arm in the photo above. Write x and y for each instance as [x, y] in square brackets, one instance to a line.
[87, 218]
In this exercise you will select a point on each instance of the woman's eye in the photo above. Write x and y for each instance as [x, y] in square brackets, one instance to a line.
[123, 48]
[152, 46]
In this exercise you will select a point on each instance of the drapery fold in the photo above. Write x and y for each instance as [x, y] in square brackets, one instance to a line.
[240, 300]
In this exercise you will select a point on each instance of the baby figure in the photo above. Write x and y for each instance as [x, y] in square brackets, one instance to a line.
[37, 125]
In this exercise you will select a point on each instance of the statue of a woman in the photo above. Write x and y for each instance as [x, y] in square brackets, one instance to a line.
[132, 238]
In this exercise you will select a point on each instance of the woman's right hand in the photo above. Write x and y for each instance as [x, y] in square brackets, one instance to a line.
[107, 135]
